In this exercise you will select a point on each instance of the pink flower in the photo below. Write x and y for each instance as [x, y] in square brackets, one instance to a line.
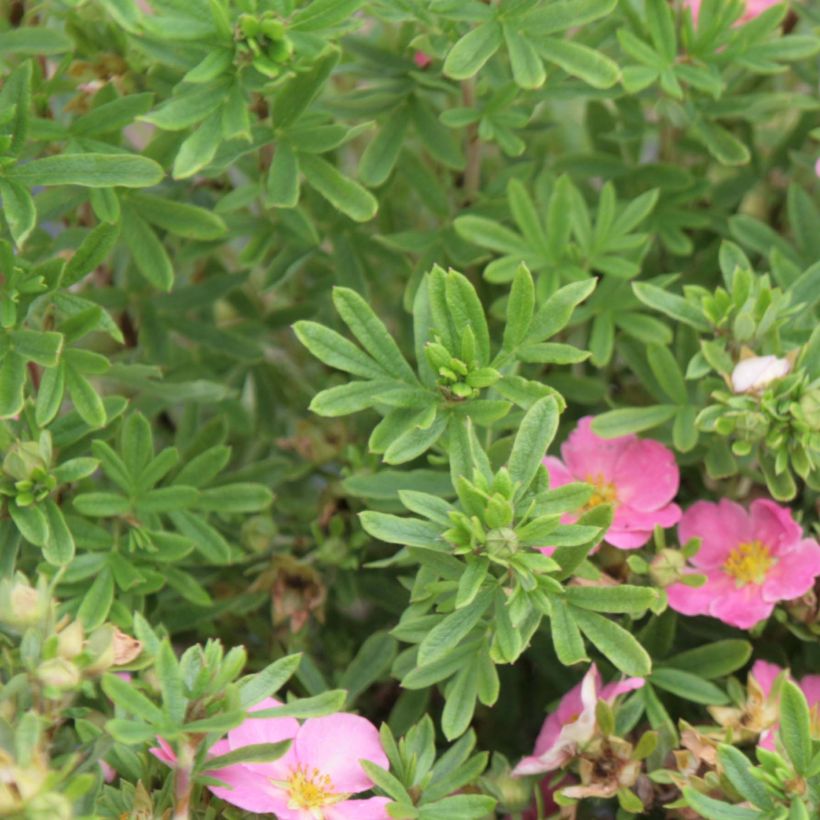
[572, 724]
[751, 561]
[754, 8]
[313, 780]
[765, 674]
[421, 59]
[639, 476]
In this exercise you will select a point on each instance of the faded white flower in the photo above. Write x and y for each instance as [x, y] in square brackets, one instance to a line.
[753, 374]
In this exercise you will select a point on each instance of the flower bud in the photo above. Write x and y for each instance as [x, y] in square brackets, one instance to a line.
[502, 542]
[21, 605]
[258, 533]
[752, 375]
[59, 674]
[22, 459]
[666, 567]
[70, 641]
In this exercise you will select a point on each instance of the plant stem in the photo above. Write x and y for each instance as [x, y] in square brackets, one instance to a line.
[182, 782]
[472, 171]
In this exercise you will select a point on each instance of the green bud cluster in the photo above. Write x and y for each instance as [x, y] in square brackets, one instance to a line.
[781, 427]
[460, 377]
[26, 476]
[264, 42]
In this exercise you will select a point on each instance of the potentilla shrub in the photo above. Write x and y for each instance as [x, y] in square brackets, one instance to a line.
[409, 409]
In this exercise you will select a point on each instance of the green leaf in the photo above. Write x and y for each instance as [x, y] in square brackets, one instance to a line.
[112, 116]
[668, 373]
[49, 395]
[795, 726]
[197, 151]
[535, 433]
[238, 497]
[688, 686]
[282, 188]
[392, 529]
[520, 308]
[473, 50]
[457, 807]
[252, 753]
[297, 94]
[380, 156]
[87, 401]
[316, 706]
[713, 809]
[12, 383]
[737, 768]
[613, 641]
[19, 210]
[371, 333]
[96, 603]
[721, 144]
[125, 695]
[39, 42]
[89, 170]
[623, 598]
[179, 218]
[170, 683]
[340, 191]
[346, 398]
[270, 680]
[672, 305]
[566, 637]
[555, 313]
[101, 505]
[44, 348]
[58, 548]
[148, 253]
[333, 349]
[580, 61]
[453, 628]
[91, 253]
[628, 420]
[459, 705]
[31, 522]
[528, 70]
[187, 109]
[713, 660]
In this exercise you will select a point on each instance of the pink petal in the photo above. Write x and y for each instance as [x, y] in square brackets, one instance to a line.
[628, 518]
[627, 539]
[646, 475]
[720, 526]
[698, 600]
[588, 456]
[794, 573]
[559, 474]
[251, 791]
[164, 752]
[266, 730]
[374, 808]
[774, 525]
[612, 690]
[335, 744]
[810, 684]
[742, 607]
[766, 739]
[765, 674]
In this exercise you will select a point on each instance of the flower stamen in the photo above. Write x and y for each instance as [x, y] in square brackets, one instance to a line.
[310, 789]
[749, 562]
[604, 492]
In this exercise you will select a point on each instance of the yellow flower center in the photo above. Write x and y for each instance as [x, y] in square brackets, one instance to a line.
[749, 562]
[604, 492]
[310, 789]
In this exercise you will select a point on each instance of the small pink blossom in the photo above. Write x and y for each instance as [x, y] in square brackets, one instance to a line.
[753, 9]
[751, 561]
[572, 724]
[638, 476]
[421, 59]
[765, 674]
[313, 780]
